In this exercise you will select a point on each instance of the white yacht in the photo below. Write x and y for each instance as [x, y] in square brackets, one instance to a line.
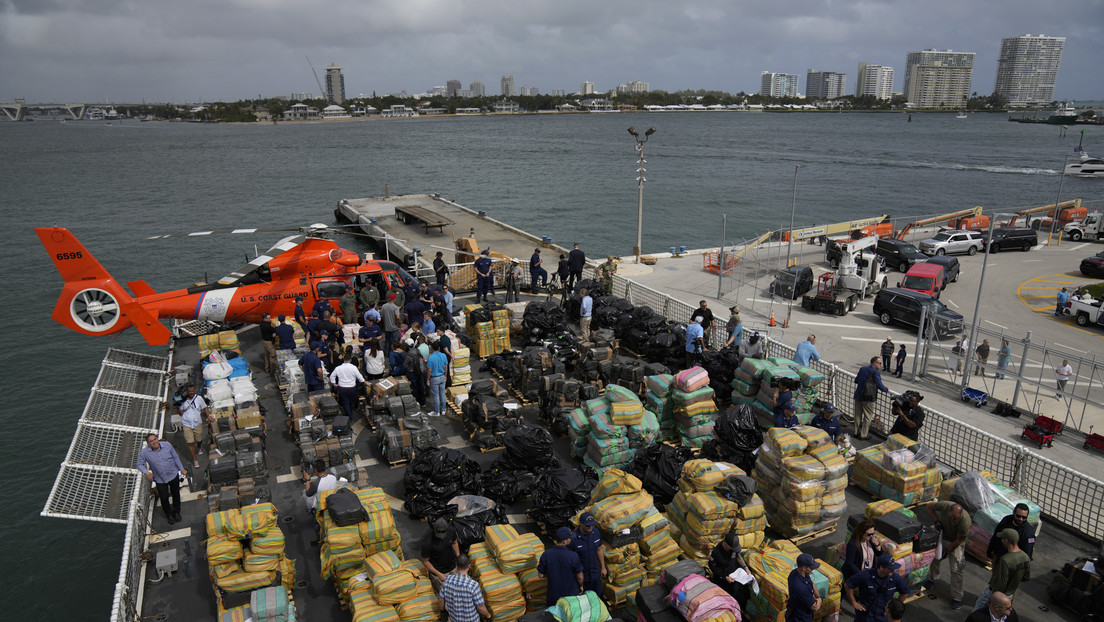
[1088, 166]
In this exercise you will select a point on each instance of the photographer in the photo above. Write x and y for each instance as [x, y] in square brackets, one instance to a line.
[695, 342]
[910, 417]
[784, 413]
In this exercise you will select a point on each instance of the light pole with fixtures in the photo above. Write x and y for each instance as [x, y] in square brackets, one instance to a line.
[640, 186]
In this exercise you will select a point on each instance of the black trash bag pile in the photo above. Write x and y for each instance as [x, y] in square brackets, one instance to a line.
[659, 466]
[470, 515]
[513, 475]
[736, 437]
[667, 347]
[559, 494]
[543, 321]
[720, 365]
[489, 386]
[594, 288]
[437, 475]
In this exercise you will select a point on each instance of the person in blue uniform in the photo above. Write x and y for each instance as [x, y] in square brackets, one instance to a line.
[876, 586]
[561, 566]
[784, 414]
[300, 314]
[484, 278]
[311, 364]
[826, 420]
[586, 540]
[537, 271]
[804, 598]
[286, 334]
[724, 560]
[321, 306]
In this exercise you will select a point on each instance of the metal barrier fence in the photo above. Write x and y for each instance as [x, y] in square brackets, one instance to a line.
[127, 603]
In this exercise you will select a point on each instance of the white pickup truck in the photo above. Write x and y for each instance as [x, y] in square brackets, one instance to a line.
[1087, 311]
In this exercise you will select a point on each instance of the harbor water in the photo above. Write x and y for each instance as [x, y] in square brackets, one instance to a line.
[570, 177]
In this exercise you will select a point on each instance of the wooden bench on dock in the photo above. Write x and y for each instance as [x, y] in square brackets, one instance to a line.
[429, 218]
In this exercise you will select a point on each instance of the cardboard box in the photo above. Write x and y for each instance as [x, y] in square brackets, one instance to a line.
[251, 419]
[385, 387]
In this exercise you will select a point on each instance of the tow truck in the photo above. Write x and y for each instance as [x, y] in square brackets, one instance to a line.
[860, 274]
[1090, 228]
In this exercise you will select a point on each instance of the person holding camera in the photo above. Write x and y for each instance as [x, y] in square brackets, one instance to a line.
[910, 417]
[695, 341]
[784, 413]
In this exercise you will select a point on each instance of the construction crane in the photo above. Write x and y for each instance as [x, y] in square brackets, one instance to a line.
[1068, 211]
[839, 227]
[317, 80]
[953, 217]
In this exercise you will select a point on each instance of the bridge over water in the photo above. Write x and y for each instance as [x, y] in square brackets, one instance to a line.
[18, 111]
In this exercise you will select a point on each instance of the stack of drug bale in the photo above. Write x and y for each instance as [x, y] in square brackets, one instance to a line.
[804, 397]
[533, 364]
[619, 426]
[500, 318]
[559, 494]
[898, 469]
[528, 454]
[657, 399]
[360, 547]
[623, 509]
[319, 440]
[630, 373]
[560, 396]
[659, 467]
[693, 406]
[745, 384]
[480, 327]
[435, 476]
[461, 364]
[245, 550]
[988, 501]
[802, 478]
[388, 588]
[510, 581]
[543, 321]
[771, 566]
[404, 436]
[701, 516]
[595, 361]
[485, 416]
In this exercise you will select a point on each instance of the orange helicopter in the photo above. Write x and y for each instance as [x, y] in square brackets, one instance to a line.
[307, 266]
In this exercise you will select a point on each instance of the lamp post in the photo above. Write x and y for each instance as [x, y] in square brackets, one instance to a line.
[640, 185]
[793, 208]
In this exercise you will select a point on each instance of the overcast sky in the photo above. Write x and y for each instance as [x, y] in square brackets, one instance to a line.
[203, 50]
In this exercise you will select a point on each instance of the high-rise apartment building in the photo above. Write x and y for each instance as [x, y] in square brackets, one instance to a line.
[824, 84]
[586, 88]
[1028, 68]
[529, 91]
[477, 89]
[452, 87]
[938, 78]
[557, 93]
[335, 85]
[874, 80]
[779, 84]
[508, 89]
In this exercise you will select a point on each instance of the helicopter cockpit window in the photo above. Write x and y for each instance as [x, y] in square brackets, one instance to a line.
[394, 282]
[408, 278]
[331, 289]
[260, 275]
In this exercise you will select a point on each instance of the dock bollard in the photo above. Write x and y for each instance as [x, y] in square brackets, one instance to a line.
[673, 249]
[682, 250]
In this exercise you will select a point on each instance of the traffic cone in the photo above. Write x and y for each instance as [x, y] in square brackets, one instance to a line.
[772, 319]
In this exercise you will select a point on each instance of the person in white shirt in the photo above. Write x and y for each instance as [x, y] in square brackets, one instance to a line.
[1063, 371]
[320, 482]
[346, 378]
[375, 364]
[192, 411]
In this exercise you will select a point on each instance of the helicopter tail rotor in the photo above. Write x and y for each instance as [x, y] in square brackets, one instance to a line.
[92, 301]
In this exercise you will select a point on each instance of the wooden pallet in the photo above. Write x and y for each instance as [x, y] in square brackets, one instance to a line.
[398, 463]
[631, 353]
[812, 535]
[491, 449]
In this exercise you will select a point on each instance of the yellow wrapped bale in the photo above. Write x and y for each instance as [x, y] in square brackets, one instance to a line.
[227, 523]
[787, 442]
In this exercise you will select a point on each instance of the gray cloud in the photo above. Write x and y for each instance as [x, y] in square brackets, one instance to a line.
[230, 49]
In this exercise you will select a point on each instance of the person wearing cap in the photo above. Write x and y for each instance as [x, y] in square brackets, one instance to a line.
[827, 420]
[192, 411]
[806, 352]
[724, 560]
[370, 333]
[876, 587]
[440, 268]
[312, 327]
[804, 598]
[300, 315]
[321, 305]
[735, 328]
[999, 610]
[313, 370]
[586, 540]
[561, 566]
[460, 596]
[537, 271]
[286, 333]
[368, 295]
[910, 417]
[513, 281]
[347, 303]
[902, 354]
[414, 310]
[440, 548]
[576, 260]
[1016, 520]
[484, 278]
[954, 522]
[1009, 571]
[785, 415]
[695, 341]
[752, 347]
[606, 272]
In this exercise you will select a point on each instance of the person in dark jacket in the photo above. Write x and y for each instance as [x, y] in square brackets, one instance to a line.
[864, 403]
[910, 417]
[561, 566]
[725, 560]
[440, 268]
[902, 354]
[887, 352]
[706, 314]
[563, 270]
[804, 598]
[998, 608]
[862, 550]
[876, 587]
[1016, 520]
[397, 359]
[826, 420]
[586, 541]
[576, 260]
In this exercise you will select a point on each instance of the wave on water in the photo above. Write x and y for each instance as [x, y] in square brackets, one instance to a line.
[1013, 170]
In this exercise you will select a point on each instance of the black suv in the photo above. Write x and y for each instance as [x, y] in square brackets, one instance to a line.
[903, 306]
[792, 282]
[951, 267]
[899, 254]
[1005, 238]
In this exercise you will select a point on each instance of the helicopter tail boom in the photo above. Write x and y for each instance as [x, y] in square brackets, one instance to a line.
[92, 301]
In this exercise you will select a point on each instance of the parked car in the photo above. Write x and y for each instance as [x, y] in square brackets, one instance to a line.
[1005, 238]
[948, 242]
[904, 307]
[1093, 266]
[793, 282]
[926, 278]
[951, 267]
[899, 254]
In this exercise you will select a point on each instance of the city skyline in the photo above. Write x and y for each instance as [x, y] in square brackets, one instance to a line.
[111, 51]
